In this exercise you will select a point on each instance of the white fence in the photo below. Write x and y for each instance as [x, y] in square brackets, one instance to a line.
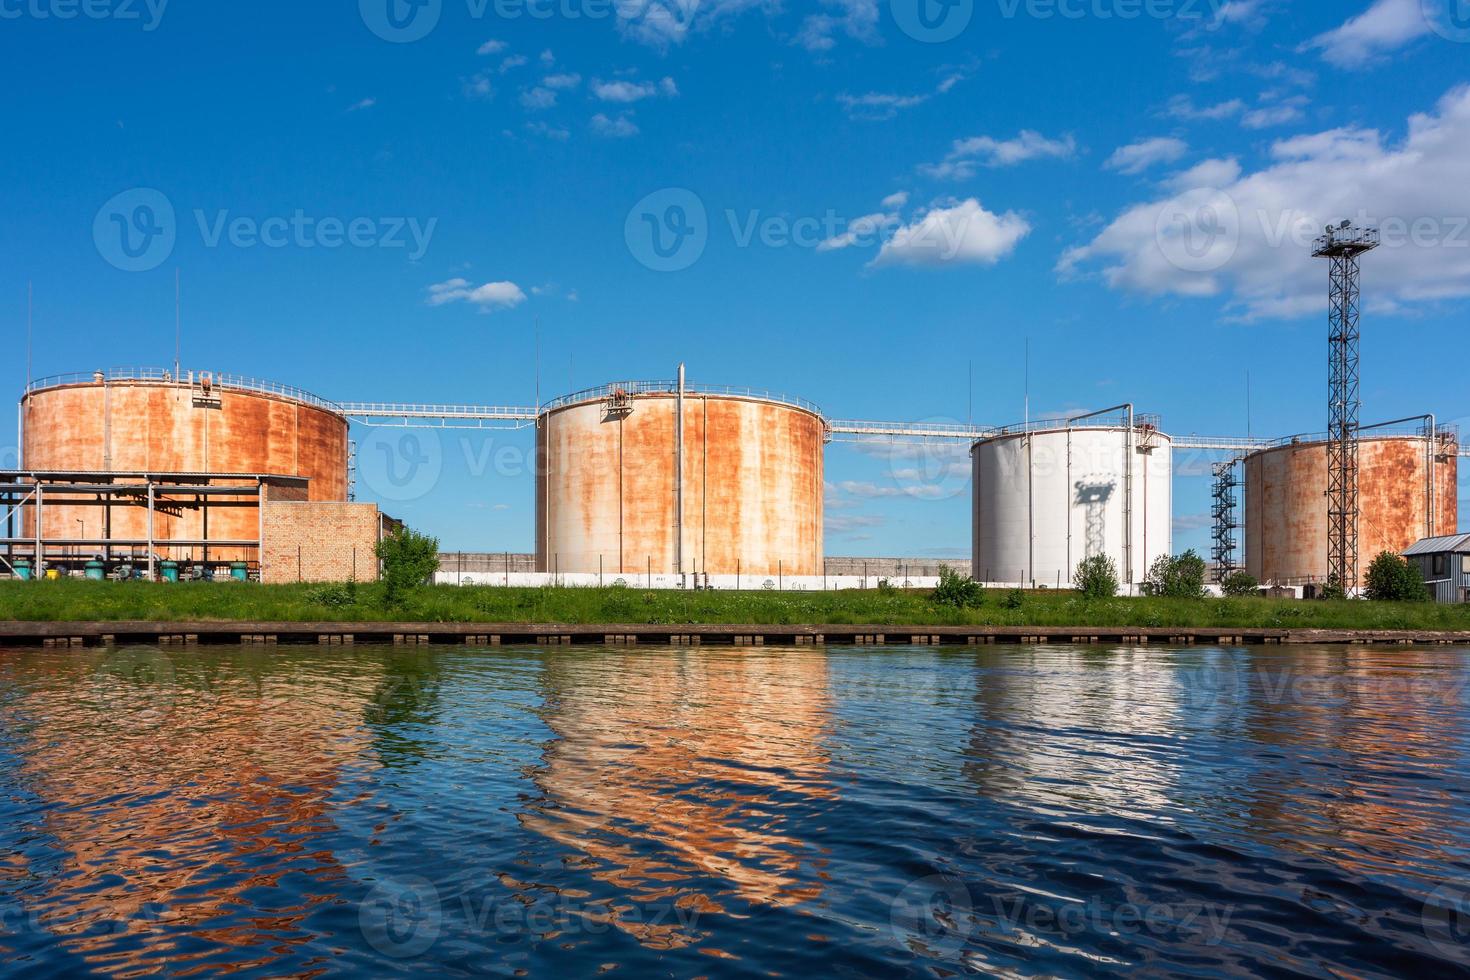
[772, 583]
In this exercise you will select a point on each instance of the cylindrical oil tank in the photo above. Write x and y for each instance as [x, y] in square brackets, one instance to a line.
[1402, 481]
[609, 486]
[137, 422]
[1046, 499]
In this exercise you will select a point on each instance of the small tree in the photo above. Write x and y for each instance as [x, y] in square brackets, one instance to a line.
[1238, 584]
[1097, 577]
[1392, 579]
[408, 558]
[1177, 576]
[957, 590]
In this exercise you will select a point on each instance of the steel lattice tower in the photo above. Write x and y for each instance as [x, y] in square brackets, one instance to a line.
[1341, 246]
[1225, 523]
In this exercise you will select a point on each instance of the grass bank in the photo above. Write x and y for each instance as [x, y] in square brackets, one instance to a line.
[76, 600]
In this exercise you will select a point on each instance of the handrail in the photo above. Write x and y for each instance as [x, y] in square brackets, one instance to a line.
[672, 388]
[187, 379]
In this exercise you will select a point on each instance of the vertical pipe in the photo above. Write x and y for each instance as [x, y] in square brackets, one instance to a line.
[260, 532]
[1128, 496]
[150, 527]
[1030, 508]
[40, 553]
[679, 477]
[1433, 460]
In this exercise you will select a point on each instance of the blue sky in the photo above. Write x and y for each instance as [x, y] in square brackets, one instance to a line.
[887, 199]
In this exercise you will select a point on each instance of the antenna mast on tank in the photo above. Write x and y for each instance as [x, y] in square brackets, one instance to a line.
[178, 322]
[1342, 245]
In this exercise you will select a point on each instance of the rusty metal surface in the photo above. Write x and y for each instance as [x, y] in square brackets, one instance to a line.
[1286, 506]
[139, 425]
[752, 487]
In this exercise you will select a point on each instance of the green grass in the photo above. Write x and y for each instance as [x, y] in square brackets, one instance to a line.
[80, 600]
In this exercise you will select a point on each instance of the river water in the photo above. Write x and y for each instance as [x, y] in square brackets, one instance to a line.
[899, 811]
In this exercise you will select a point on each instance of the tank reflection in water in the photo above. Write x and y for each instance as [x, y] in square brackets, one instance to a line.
[921, 811]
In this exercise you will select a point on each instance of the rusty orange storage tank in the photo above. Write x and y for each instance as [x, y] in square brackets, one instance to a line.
[608, 482]
[142, 421]
[1405, 492]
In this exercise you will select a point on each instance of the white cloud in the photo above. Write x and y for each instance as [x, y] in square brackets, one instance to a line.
[1135, 158]
[886, 105]
[660, 23]
[547, 58]
[963, 233]
[858, 19]
[565, 80]
[866, 230]
[1249, 238]
[1182, 107]
[1208, 173]
[965, 155]
[490, 297]
[538, 98]
[479, 87]
[558, 133]
[1288, 111]
[896, 200]
[364, 104]
[627, 92]
[878, 105]
[514, 61]
[491, 47]
[620, 127]
[1386, 26]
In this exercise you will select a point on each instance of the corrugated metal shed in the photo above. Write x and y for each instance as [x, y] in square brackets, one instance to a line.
[1444, 562]
[1458, 544]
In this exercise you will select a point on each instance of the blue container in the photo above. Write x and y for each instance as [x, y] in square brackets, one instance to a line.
[170, 571]
[23, 569]
[96, 571]
[239, 571]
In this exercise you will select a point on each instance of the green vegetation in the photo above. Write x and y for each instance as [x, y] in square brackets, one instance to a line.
[409, 561]
[959, 591]
[75, 599]
[1176, 576]
[1097, 577]
[1394, 579]
[1238, 584]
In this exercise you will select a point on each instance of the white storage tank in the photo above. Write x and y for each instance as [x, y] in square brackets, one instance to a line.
[1050, 494]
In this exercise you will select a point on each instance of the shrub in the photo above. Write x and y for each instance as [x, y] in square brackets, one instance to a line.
[333, 595]
[1097, 577]
[1239, 584]
[1392, 579]
[1177, 576]
[1332, 591]
[408, 558]
[1015, 599]
[959, 591]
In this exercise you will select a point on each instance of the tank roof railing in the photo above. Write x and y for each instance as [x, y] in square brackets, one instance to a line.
[672, 387]
[163, 376]
[1110, 418]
